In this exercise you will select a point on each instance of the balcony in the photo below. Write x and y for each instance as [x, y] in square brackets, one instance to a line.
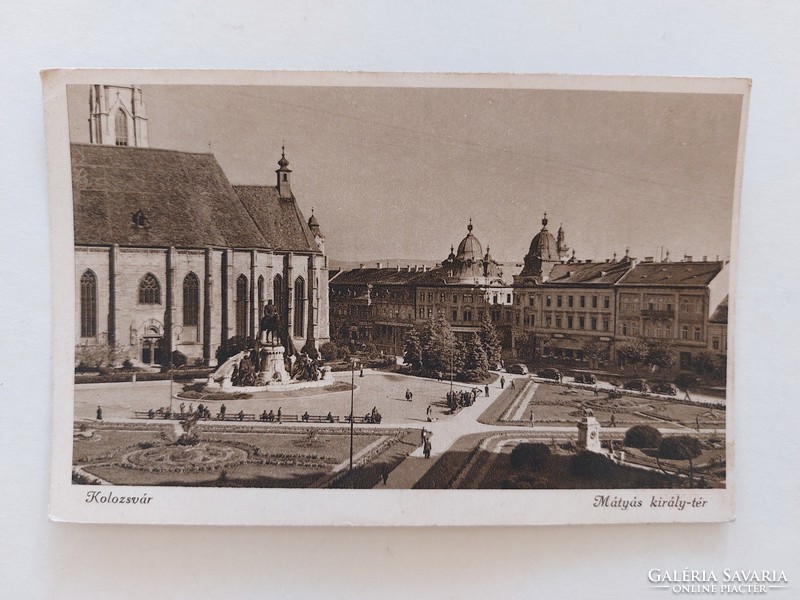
[654, 313]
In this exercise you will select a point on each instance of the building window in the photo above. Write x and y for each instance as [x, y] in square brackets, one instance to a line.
[277, 298]
[548, 321]
[260, 296]
[570, 301]
[558, 301]
[241, 306]
[441, 297]
[468, 316]
[430, 296]
[508, 298]
[570, 322]
[467, 298]
[605, 324]
[624, 329]
[191, 300]
[558, 321]
[121, 128]
[594, 301]
[531, 300]
[455, 315]
[548, 301]
[685, 332]
[430, 312]
[299, 307]
[583, 301]
[696, 334]
[149, 290]
[88, 304]
[594, 323]
[421, 312]
[715, 343]
[455, 298]
[606, 302]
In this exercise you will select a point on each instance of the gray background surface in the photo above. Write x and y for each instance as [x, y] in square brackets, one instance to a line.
[39, 559]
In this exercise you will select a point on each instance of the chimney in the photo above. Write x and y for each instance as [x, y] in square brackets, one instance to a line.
[398, 268]
[380, 265]
[687, 258]
[361, 266]
[408, 268]
[648, 259]
[705, 258]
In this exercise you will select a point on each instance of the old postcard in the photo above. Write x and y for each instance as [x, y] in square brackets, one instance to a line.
[392, 299]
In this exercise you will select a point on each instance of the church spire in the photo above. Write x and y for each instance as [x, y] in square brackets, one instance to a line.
[284, 176]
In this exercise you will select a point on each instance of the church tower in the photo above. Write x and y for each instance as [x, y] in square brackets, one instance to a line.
[313, 225]
[117, 116]
[284, 176]
[561, 243]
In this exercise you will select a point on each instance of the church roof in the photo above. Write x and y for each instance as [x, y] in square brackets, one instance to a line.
[278, 219]
[181, 199]
[373, 276]
[677, 273]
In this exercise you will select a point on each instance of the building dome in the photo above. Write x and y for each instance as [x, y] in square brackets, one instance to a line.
[470, 248]
[543, 244]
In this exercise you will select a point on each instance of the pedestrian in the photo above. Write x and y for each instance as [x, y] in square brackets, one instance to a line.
[384, 474]
[686, 395]
[696, 421]
[361, 373]
[613, 419]
[422, 433]
[595, 391]
[99, 413]
[502, 382]
[191, 408]
[182, 407]
[426, 449]
[486, 389]
[531, 418]
[280, 413]
[512, 384]
[222, 409]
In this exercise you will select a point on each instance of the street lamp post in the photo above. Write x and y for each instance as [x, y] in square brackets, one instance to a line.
[352, 398]
[452, 365]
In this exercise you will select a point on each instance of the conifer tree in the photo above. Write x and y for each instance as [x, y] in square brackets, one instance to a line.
[491, 342]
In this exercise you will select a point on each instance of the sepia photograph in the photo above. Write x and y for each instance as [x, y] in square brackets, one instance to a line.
[468, 284]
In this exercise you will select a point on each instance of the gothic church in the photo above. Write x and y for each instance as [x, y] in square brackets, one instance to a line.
[170, 255]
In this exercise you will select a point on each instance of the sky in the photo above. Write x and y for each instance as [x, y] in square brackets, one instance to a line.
[398, 172]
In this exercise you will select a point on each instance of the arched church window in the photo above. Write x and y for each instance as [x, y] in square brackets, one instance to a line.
[277, 295]
[88, 304]
[299, 306]
[149, 290]
[260, 296]
[191, 300]
[121, 128]
[241, 306]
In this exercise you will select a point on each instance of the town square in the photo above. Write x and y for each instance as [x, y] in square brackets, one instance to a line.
[228, 336]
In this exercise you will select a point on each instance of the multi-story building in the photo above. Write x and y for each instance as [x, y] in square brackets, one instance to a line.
[567, 309]
[380, 305]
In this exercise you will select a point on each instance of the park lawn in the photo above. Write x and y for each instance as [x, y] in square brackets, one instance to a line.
[333, 446]
[283, 476]
[111, 441]
[369, 475]
[449, 465]
[556, 475]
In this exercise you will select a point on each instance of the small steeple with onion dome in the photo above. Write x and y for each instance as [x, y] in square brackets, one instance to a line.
[284, 176]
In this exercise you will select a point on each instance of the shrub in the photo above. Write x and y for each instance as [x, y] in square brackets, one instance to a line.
[680, 447]
[685, 380]
[642, 436]
[532, 457]
[127, 364]
[343, 353]
[329, 351]
[179, 359]
[590, 464]
[232, 346]
[472, 376]
[370, 349]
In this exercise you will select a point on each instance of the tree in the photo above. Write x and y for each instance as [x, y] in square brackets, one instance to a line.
[491, 342]
[634, 352]
[595, 351]
[438, 345]
[412, 350]
[328, 351]
[661, 354]
[708, 362]
[475, 362]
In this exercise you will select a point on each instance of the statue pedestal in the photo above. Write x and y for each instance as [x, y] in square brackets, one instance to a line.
[589, 435]
[272, 367]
